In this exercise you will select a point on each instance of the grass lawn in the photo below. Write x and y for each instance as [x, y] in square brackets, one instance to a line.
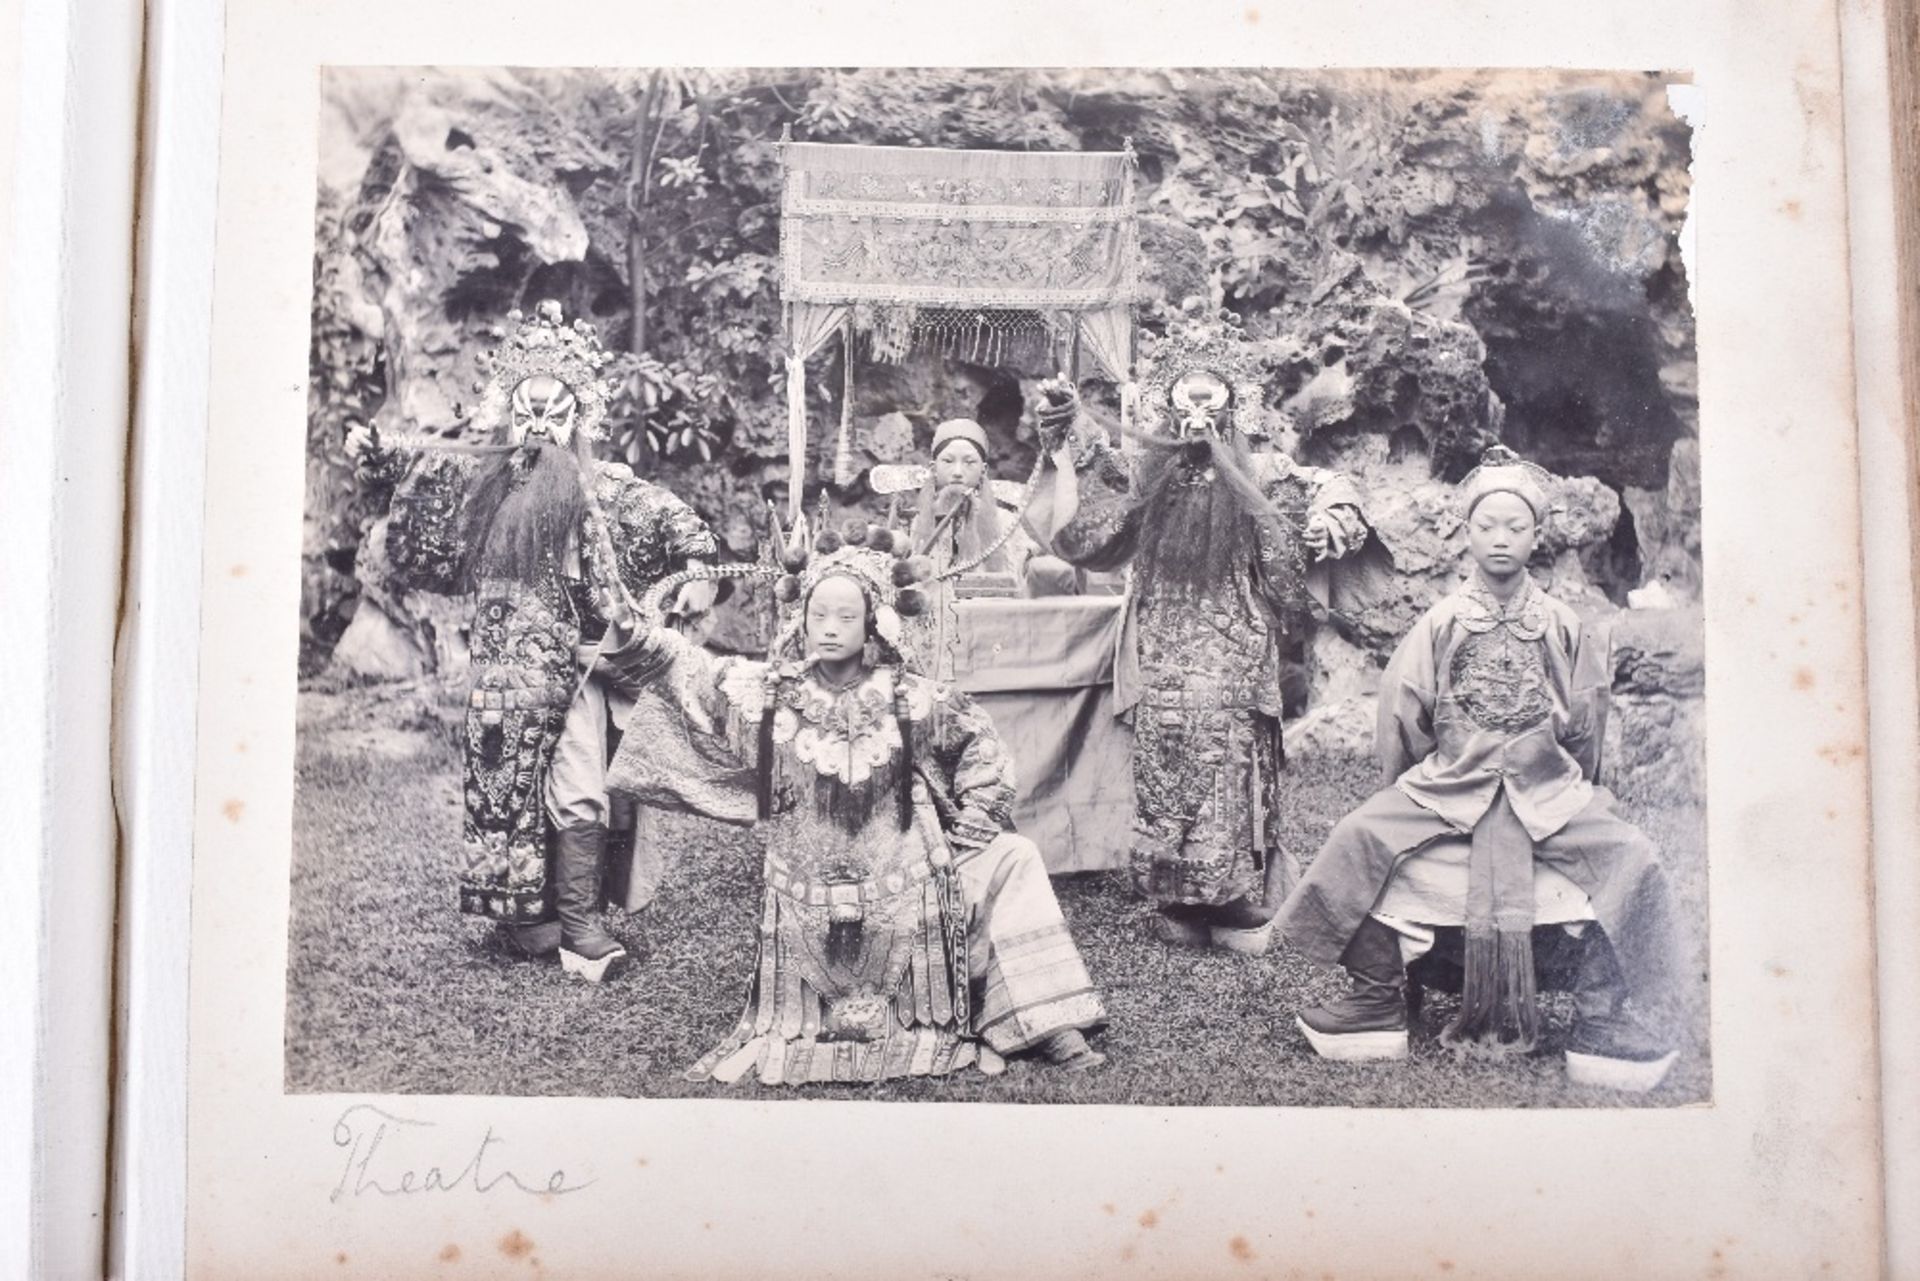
[391, 990]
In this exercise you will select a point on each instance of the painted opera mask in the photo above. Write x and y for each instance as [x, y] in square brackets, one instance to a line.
[543, 409]
[1199, 397]
[1202, 380]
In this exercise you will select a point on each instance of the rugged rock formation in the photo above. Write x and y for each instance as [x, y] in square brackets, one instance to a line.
[1432, 262]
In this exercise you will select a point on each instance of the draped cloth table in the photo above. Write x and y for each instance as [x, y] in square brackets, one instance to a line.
[1043, 670]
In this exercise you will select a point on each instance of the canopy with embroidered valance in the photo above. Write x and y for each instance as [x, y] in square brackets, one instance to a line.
[967, 252]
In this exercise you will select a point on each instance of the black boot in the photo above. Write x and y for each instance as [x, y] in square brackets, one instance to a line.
[1372, 1022]
[585, 948]
[532, 941]
[1609, 1047]
[1182, 924]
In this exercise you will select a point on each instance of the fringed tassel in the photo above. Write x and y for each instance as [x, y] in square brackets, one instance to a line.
[849, 806]
[1499, 1005]
[904, 720]
[763, 769]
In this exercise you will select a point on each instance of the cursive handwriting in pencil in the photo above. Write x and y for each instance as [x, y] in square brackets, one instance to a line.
[382, 1157]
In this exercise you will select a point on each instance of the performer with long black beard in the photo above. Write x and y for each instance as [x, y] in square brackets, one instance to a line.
[1230, 550]
[543, 536]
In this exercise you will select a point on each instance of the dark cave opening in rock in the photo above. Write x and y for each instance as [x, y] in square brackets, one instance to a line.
[1622, 553]
[492, 282]
[1001, 404]
[1575, 348]
[1587, 400]
[1407, 446]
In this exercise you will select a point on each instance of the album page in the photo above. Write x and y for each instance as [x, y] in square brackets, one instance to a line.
[900, 643]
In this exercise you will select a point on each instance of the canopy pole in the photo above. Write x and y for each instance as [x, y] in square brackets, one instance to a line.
[843, 446]
[796, 364]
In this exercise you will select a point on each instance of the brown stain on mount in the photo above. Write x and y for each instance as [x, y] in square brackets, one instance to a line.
[233, 809]
[450, 1253]
[1803, 678]
[515, 1245]
[1149, 1219]
[1253, 17]
[1240, 1250]
[1842, 753]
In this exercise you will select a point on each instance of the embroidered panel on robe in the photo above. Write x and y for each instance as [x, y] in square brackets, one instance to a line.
[524, 666]
[862, 970]
[1200, 671]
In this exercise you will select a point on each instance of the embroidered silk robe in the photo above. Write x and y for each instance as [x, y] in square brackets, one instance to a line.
[879, 956]
[1480, 695]
[1203, 680]
[525, 671]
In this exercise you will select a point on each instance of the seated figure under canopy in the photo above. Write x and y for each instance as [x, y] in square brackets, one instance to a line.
[969, 526]
[905, 930]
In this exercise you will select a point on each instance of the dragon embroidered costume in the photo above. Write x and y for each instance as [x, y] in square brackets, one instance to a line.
[1222, 541]
[540, 570]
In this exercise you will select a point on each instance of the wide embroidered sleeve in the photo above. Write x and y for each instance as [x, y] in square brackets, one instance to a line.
[1104, 531]
[654, 532]
[690, 741]
[1358, 569]
[1403, 732]
[1339, 499]
[1589, 693]
[977, 766]
[424, 540]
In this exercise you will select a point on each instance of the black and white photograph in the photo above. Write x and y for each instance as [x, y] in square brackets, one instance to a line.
[1032, 586]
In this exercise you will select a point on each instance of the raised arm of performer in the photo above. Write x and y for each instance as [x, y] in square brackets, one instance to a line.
[426, 538]
[1085, 507]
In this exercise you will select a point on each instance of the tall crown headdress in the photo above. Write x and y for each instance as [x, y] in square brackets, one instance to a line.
[878, 557]
[1194, 344]
[544, 344]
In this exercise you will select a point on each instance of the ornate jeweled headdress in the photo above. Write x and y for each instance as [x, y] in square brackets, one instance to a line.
[879, 558]
[544, 344]
[1194, 345]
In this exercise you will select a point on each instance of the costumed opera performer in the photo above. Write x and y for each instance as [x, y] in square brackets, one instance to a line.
[536, 530]
[1492, 714]
[905, 930]
[1231, 551]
